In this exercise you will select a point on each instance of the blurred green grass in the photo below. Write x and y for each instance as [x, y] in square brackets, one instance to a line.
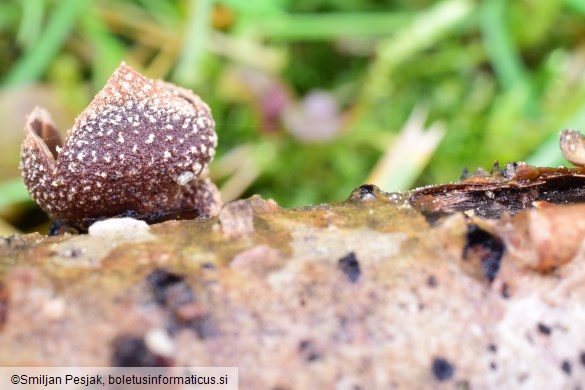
[310, 97]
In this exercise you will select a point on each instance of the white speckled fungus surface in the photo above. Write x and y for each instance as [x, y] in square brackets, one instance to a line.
[124, 154]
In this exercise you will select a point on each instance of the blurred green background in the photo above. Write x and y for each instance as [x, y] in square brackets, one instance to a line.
[311, 97]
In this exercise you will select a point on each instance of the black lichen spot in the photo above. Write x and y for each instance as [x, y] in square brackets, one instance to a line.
[130, 214]
[131, 351]
[432, 281]
[488, 247]
[174, 294]
[505, 291]
[542, 328]
[350, 266]
[73, 253]
[566, 367]
[160, 282]
[582, 358]
[3, 303]
[58, 228]
[442, 369]
[493, 348]
[493, 366]
[308, 351]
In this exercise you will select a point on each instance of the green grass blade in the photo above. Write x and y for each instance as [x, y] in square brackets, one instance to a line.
[12, 192]
[577, 5]
[9, 15]
[31, 22]
[256, 7]
[499, 45]
[163, 11]
[36, 61]
[109, 51]
[327, 26]
[549, 154]
[187, 71]
[424, 31]
[408, 154]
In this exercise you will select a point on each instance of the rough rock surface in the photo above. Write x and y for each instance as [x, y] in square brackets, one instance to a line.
[361, 294]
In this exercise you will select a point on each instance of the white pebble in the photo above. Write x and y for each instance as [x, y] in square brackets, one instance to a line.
[159, 342]
[128, 228]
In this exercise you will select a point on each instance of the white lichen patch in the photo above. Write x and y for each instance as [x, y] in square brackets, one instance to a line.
[185, 178]
[311, 244]
[336, 243]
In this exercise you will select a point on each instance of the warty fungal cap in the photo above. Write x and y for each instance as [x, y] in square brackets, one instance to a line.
[141, 147]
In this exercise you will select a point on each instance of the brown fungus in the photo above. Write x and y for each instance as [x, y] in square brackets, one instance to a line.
[141, 148]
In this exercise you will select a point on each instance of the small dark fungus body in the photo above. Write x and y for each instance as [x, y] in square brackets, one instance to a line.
[350, 267]
[366, 192]
[464, 174]
[442, 369]
[140, 145]
[566, 367]
[487, 247]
